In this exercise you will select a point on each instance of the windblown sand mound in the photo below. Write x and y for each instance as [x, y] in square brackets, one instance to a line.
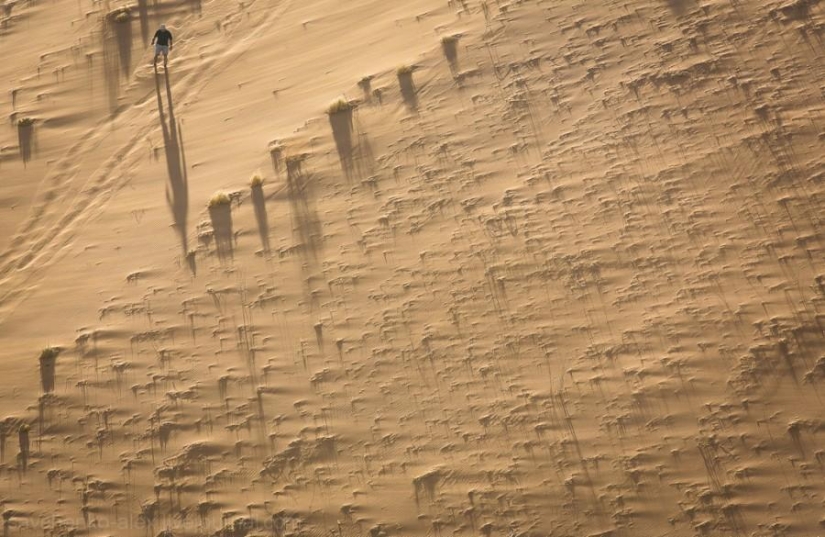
[412, 268]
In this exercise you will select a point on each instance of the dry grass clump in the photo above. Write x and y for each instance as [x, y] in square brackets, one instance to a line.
[25, 122]
[256, 181]
[294, 164]
[366, 87]
[49, 353]
[295, 159]
[404, 70]
[339, 106]
[276, 148]
[121, 16]
[218, 200]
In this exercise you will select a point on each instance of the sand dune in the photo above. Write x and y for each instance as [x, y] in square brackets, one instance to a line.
[423, 268]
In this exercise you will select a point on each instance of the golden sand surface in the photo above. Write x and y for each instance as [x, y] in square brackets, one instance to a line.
[412, 269]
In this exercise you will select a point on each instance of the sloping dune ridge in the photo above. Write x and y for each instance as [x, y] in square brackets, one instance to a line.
[407, 269]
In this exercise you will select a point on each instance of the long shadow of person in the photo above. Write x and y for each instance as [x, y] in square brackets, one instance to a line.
[177, 189]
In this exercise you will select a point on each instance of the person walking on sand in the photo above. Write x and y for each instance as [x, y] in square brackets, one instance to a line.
[163, 44]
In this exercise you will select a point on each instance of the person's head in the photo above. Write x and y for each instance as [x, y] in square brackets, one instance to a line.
[162, 26]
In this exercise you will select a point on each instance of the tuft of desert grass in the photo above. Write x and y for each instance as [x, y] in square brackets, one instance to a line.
[218, 200]
[256, 181]
[121, 16]
[339, 106]
[365, 82]
[25, 122]
[49, 353]
[404, 70]
[292, 160]
[294, 164]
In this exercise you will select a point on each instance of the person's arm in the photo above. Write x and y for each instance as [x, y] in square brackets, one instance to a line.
[154, 37]
[170, 40]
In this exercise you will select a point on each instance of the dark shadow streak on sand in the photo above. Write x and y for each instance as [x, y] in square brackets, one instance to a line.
[177, 191]
[276, 154]
[449, 45]
[221, 217]
[25, 140]
[408, 90]
[681, 7]
[341, 123]
[307, 226]
[259, 204]
[111, 63]
[123, 35]
[143, 15]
